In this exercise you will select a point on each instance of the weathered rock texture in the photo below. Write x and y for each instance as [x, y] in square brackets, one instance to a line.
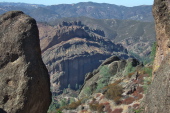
[161, 14]
[158, 95]
[24, 79]
[70, 50]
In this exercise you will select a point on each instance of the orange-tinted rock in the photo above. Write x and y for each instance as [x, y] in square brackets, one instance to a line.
[158, 95]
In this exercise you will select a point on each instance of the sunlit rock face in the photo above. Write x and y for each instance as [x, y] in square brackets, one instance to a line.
[161, 13]
[158, 96]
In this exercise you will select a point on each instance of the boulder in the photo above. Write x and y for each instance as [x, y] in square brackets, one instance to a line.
[157, 99]
[24, 79]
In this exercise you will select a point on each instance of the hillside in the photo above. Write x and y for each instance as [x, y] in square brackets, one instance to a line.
[116, 86]
[88, 9]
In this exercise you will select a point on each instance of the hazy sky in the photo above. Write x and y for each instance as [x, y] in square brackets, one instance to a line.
[117, 2]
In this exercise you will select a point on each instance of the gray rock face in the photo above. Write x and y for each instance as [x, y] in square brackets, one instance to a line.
[24, 79]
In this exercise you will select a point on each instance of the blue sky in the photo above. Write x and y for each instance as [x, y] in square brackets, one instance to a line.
[117, 2]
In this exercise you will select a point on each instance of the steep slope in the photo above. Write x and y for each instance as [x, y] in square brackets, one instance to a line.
[158, 98]
[116, 86]
[24, 79]
[70, 50]
[88, 9]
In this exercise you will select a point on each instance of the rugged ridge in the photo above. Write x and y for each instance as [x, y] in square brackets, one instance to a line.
[71, 49]
[136, 36]
[158, 96]
[24, 79]
[88, 9]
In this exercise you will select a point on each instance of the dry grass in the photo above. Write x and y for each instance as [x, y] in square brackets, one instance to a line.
[130, 75]
[74, 105]
[96, 107]
[114, 92]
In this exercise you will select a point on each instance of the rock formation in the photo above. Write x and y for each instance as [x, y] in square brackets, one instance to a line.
[111, 89]
[24, 79]
[109, 71]
[158, 95]
[161, 13]
[70, 50]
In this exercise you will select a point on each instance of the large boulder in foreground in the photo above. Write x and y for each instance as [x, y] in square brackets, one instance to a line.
[24, 79]
[157, 99]
[161, 13]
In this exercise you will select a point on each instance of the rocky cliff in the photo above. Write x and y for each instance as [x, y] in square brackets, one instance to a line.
[24, 79]
[158, 95]
[161, 15]
[137, 37]
[71, 49]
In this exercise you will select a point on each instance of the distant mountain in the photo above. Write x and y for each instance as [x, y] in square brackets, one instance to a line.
[19, 4]
[88, 9]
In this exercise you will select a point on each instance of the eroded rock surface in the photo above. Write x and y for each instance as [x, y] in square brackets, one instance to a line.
[71, 49]
[161, 14]
[24, 79]
[158, 95]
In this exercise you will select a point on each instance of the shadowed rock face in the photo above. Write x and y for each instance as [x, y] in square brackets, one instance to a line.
[158, 96]
[24, 79]
[70, 50]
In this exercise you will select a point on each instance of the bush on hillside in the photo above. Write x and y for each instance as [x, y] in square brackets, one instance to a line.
[114, 92]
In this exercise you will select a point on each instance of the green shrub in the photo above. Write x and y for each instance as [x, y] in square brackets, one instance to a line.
[105, 76]
[96, 107]
[101, 83]
[129, 68]
[147, 82]
[147, 70]
[104, 71]
[138, 110]
[87, 91]
[58, 111]
[153, 51]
